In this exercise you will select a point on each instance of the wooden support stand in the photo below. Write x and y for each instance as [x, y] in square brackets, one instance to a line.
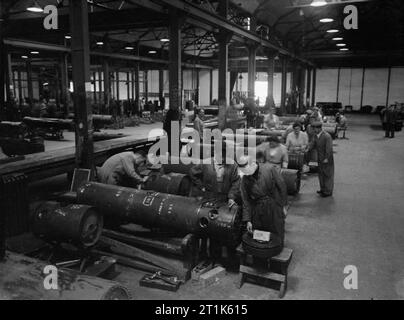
[276, 271]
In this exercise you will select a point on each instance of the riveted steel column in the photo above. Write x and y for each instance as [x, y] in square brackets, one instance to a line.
[81, 81]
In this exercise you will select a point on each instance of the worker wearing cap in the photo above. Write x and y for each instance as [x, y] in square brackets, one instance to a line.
[322, 143]
[264, 196]
[218, 180]
[275, 152]
[123, 169]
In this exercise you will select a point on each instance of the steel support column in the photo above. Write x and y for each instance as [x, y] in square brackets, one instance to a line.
[175, 68]
[29, 84]
[252, 68]
[338, 84]
[20, 95]
[137, 87]
[161, 84]
[64, 84]
[210, 86]
[270, 72]
[301, 88]
[107, 84]
[363, 85]
[313, 94]
[3, 68]
[81, 81]
[146, 85]
[308, 87]
[117, 85]
[388, 87]
[284, 83]
[128, 85]
[223, 38]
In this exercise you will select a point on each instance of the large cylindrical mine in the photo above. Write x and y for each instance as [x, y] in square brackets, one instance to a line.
[172, 212]
[292, 180]
[172, 183]
[80, 224]
[296, 161]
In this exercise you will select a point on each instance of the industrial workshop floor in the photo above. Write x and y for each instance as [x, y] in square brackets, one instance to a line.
[361, 225]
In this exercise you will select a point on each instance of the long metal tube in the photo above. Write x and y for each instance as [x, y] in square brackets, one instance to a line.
[155, 209]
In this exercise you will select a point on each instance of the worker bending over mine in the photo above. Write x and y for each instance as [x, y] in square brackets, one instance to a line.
[264, 196]
[274, 152]
[216, 180]
[123, 169]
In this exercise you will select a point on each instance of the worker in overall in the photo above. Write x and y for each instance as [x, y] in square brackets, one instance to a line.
[199, 125]
[274, 152]
[251, 113]
[298, 142]
[341, 124]
[271, 121]
[322, 143]
[390, 118]
[217, 180]
[264, 196]
[123, 169]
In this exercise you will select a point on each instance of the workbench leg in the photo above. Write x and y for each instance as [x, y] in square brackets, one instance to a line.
[241, 278]
[282, 290]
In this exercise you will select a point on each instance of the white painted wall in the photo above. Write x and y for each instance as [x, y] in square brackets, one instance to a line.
[396, 85]
[374, 87]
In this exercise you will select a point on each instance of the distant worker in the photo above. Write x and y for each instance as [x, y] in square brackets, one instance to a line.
[342, 124]
[123, 169]
[271, 120]
[390, 118]
[264, 196]
[322, 143]
[274, 152]
[199, 125]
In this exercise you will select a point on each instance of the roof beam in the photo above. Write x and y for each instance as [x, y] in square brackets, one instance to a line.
[196, 14]
[58, 48]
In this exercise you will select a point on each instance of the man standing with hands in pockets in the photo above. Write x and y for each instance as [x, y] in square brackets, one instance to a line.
[322, 143]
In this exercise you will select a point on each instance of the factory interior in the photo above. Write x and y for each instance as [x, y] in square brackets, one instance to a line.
[201, 150]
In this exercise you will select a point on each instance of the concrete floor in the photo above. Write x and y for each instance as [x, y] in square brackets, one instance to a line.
[362, 225]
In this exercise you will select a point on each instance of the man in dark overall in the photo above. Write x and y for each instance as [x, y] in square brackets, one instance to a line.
[390, 118]
[322, 143]
[264, 196]
[220, 181]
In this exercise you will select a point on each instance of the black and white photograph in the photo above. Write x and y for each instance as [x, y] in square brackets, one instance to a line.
[202, 157]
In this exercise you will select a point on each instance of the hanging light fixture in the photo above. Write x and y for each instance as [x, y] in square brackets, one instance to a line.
[34, 7]
[338, 39]
[164, 40]
[318, 3]
[332, 31]
[344, 49]
[326, 20]
[341, 44]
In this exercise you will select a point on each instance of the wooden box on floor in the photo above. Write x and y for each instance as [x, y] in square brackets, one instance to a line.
[276, 269]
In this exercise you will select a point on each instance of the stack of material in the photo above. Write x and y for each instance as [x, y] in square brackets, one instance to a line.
[24, 278]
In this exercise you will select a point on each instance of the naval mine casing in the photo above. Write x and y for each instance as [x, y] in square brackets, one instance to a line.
[172, 212]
